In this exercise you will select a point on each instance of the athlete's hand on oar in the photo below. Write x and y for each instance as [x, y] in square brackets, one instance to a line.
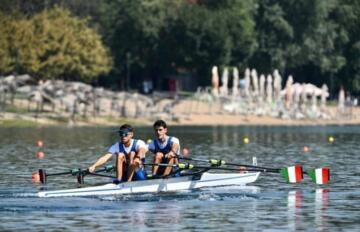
[170, 155]
[91, 169]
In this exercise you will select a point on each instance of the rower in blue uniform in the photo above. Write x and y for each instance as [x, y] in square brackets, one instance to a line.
[130, 156]
[165, 148]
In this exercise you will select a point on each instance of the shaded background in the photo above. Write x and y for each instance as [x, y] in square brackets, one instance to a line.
[131, 41]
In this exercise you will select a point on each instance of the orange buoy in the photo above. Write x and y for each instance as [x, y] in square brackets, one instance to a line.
[242, 169]
[40, 143]
[185, 151]
[306, 149]
[40, 154]
[35, 177]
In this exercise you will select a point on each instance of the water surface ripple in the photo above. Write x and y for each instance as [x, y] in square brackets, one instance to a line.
[270, 204]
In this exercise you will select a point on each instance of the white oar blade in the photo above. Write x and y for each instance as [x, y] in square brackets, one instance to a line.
[292, 174]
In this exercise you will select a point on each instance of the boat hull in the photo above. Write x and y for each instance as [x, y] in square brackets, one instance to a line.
[159, 185]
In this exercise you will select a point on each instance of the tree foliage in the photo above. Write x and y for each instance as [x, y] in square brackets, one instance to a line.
[159, 37]
[317, 41]
[53, 44]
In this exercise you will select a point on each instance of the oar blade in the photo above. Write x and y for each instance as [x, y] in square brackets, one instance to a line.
[320, 175]
[42, 175]
[292, 174]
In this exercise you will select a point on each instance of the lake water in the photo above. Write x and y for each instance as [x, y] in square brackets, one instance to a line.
[269, 204]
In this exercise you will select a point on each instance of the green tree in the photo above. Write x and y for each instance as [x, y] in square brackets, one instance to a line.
[68, 48]
[274, 35]
[322, 38]
[53, 45]
[213, 33]
[159, 37]
[348, 16]
[135, 32]
[6, 60]
[301, 37]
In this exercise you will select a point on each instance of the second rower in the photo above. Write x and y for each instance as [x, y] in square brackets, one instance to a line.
[165, 148]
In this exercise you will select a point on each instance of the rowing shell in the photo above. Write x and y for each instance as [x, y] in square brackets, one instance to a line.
[159, 185]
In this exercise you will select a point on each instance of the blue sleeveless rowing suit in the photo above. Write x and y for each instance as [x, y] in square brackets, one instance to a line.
[163, 150]
[140, 174]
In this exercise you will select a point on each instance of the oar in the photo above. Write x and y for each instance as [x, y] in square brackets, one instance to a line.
[293, 174]
[216, 163]
[188, 166]
[74, 172]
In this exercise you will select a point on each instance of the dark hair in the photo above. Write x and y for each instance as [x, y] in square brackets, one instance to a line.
[160, 123]
[126, 127]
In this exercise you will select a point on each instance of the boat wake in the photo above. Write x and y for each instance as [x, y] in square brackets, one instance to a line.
[204, 194]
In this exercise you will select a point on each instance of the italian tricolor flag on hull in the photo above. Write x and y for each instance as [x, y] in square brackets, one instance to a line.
[320, 175]
[292, 174]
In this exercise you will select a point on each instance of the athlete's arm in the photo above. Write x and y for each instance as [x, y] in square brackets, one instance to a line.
[172, 153]
[142, 148]
[141, 153]
[100, 162]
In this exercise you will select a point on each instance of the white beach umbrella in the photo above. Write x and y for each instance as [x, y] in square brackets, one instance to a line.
[277, 84]
[235, 87]
[289, 91]
[224, 82]
[262, 87]
[215, 81]
[341, 101]
[324, 96]
[269, 89]
[247, 82]
[254, 78]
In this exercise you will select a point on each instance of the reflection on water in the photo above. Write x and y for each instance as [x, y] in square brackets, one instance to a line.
[294, 209]
[297, 211]
[270, 204]
[321, 206]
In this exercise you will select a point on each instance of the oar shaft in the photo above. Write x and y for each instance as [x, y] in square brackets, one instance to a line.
[102, 175]
[221, 162]
[59, 173]
[238, 169]
[254, 166]
[190, 166]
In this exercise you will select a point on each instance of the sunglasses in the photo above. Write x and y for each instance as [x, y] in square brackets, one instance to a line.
[123, 133]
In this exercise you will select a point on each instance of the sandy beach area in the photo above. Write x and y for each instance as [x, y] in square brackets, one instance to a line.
[185, 113]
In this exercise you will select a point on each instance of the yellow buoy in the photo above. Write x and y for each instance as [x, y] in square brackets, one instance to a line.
[331, 139]
[246, 140]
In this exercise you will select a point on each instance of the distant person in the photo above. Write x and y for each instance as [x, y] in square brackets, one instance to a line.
[165, 148]
[130, 156]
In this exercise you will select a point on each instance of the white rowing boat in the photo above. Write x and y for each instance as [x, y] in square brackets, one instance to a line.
[160, 185]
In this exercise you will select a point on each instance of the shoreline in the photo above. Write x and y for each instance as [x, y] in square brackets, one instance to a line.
[26, 120]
